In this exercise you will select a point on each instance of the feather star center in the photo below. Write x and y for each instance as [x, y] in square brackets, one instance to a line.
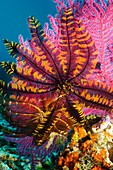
[64, 87]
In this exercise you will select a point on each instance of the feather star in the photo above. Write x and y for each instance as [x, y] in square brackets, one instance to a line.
[50, 84]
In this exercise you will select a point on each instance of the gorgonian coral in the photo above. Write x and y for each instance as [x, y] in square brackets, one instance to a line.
[97, 18]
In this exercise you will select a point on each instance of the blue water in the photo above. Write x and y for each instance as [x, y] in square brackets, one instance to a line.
[13, 22]
[13, 19]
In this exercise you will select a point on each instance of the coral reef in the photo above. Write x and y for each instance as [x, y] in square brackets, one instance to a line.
[89, 153]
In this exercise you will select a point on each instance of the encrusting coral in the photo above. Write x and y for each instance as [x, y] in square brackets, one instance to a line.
[54, 85]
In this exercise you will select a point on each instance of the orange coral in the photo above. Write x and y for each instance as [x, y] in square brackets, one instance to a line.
[107, 165]
[103, 152]
[72, 143]
[72, 157]
[60, 161]
[87, 145]
[75, 168]
[96, 168]
[99, 156]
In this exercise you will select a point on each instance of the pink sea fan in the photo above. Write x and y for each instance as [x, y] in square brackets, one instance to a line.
[98, 19]
[24, 43]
